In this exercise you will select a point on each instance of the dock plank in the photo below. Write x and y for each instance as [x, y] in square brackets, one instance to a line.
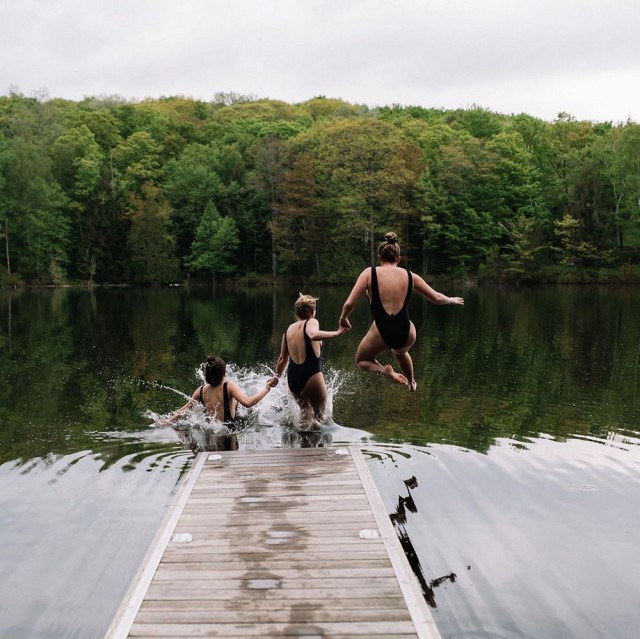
[273, 548]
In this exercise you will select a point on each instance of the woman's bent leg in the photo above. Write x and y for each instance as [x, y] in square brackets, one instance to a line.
[370, 347]
[404, 359]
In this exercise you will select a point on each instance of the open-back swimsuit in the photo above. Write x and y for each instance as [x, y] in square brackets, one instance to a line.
[299, 374]
[227, 420]
[394, 329]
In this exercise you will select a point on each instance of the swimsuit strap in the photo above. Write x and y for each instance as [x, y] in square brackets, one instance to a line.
[409, 289]
[227, 408]
[309, 352]
[201, 398]
[375, 293]
[307, 341]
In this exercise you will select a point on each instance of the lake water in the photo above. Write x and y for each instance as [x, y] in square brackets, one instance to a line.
[512, 475]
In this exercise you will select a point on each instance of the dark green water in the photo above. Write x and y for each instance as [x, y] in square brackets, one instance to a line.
[522, 438]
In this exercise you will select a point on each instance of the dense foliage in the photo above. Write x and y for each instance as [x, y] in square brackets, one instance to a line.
[112, 191]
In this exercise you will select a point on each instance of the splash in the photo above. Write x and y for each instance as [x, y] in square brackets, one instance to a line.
[272, 423]
[165, 387]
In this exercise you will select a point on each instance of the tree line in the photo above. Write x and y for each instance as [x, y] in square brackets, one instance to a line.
[107, 190]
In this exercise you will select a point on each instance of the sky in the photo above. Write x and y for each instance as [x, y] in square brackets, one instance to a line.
[540, 57]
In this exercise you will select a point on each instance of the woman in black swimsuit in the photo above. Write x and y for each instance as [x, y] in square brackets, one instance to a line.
[301, 349]
[389, 289]
[219, 396]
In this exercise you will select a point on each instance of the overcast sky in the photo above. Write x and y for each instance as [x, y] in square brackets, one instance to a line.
[512, 56]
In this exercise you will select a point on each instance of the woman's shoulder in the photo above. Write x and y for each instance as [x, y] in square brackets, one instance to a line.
[230, 386]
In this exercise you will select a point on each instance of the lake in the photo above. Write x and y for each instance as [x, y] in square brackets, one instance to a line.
[512, 475]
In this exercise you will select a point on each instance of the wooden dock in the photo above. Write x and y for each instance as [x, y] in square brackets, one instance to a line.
[276, 543]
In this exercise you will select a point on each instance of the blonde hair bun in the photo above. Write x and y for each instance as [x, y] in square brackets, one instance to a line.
[305, 305]
[391, 238]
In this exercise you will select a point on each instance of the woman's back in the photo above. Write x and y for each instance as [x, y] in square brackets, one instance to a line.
[296, 342]
[212, 397]
[393, 284]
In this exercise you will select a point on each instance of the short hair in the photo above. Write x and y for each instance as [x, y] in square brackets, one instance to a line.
[215, 369]
[305, 306]
[389, 250]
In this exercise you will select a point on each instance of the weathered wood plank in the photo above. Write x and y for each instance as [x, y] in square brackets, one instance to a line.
[285, 614]
[181, 591]
[195, 583]
[355, 629]
[177, 572]
[235, 605]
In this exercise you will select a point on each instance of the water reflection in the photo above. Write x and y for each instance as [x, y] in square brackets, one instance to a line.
[399, 519]
[515, 364]
[198, 438]
[531, 536]
[73, 531]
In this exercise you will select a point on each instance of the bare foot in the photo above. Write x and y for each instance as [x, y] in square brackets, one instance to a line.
[413, 386]
[393, 376]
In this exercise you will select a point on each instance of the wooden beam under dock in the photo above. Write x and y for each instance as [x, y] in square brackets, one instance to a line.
[276, 543]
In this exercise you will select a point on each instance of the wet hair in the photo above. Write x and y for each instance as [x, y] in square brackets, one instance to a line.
[389, 250]
[305, 306]
[215, 369]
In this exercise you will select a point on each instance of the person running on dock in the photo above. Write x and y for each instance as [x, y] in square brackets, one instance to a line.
[301, 350]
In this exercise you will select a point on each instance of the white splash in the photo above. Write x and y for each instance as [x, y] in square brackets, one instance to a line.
[275, 422]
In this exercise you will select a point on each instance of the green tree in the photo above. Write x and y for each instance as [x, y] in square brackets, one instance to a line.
[136, 162]
[79, 167]
[458, 201]
[522, 247]
[303, 232]
[573, 250]
[366, 175]
[618, 152]
[151, 247]
[270, 164]
[215, 244]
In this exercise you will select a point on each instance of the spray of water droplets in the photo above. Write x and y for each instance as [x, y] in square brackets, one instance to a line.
[275, 421]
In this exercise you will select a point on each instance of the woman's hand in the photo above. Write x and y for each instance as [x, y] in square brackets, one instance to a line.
[345, 324]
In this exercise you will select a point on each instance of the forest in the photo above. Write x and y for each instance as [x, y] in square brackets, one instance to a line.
[240, 189]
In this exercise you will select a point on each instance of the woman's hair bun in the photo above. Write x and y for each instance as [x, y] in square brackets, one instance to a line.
[391, 238]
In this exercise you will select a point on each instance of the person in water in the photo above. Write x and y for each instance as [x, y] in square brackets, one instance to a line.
[389, 289]
[300, 353]
[219, 396]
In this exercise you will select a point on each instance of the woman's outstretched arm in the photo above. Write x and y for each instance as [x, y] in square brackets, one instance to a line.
[315, 334]
[356, 293]
[238, 394]
[283, 360]
[431, 294]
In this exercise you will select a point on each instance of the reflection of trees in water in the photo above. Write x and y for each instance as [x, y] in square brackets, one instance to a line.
[399, 519]
[511, 364]
[514, 364]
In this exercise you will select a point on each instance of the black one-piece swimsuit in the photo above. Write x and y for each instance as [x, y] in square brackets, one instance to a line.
[394, 329]
[299, 374]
